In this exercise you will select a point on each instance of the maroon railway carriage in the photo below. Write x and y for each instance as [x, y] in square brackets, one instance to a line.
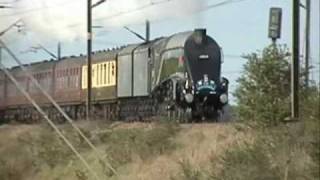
[67, 87]
[70, 86]
[17, 106]
[43, 73]
[14, 98]
[67, 80]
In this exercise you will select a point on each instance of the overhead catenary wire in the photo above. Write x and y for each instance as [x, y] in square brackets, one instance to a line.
[8, 28]
[35, 82]
[140, 8]
[137, 9]
[151, 4]
[28, 11]
[56, 129]
[223, 3]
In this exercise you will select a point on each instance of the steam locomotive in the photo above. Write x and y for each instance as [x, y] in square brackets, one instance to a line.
[178, 76]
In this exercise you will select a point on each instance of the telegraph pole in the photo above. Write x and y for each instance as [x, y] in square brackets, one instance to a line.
[295, 61]
[90, 6]
[89, 62]
[307, 53]
[59, 51]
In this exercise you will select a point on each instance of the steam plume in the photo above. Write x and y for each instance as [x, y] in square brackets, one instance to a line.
[63, 19]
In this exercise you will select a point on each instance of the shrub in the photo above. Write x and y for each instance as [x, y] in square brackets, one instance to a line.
[263, 91]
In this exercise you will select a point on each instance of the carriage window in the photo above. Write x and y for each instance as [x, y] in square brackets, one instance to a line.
[101, 74]
[108, 73]
[84, 77]
[172, 62]
[98, 75]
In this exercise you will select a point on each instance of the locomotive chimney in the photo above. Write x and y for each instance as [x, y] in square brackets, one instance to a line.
[201, 32]
[200, 36]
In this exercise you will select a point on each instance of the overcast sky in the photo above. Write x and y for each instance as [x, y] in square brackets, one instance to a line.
[239, 27]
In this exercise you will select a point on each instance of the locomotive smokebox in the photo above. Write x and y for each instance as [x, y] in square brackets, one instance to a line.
[203, 56]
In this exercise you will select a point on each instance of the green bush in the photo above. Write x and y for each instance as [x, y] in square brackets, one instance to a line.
[263, 98]
[263, 93]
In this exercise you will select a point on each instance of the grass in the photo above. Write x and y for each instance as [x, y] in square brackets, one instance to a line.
[276, 154]
[163, 151]
[16, 167]
[279, 153]
[41, 154]
[188, 172]
[124, 145]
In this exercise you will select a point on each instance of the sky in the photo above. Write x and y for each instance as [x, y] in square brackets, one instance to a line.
[239, 27]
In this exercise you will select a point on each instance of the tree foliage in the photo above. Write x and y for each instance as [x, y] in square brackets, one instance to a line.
[263, 96]
[263, 93]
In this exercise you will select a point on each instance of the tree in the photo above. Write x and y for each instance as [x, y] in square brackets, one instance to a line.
[263, 94]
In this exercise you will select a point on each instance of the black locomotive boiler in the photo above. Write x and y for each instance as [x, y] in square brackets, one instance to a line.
[176, 75]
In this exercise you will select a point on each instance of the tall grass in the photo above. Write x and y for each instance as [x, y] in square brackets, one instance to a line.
[279, 153]
[125, 145]
[16, 164]
[36, 154]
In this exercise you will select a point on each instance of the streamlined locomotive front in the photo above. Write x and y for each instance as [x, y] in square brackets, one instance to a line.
[206, 91]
